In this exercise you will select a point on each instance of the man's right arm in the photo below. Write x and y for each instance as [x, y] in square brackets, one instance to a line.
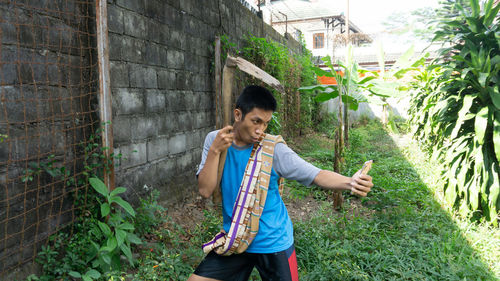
[207, 178]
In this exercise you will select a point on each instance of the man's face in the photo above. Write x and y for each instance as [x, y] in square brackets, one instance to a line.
[253, 125]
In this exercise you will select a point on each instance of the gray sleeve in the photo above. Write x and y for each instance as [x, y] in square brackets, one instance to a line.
[209, 139]
[290, 166]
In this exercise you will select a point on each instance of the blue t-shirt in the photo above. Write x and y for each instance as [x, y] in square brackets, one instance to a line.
[275, 227]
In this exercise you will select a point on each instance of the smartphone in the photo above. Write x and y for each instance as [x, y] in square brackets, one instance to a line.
[366, 167]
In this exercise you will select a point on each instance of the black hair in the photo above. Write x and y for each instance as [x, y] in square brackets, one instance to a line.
[254, 96]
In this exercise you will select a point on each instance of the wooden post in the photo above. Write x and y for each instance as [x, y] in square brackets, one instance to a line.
[346, 104]
[227, 88]
[105, 91]
[218, 86]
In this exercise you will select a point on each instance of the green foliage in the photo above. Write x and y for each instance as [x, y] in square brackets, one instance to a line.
[177, 250]
[291, 70]
[456, 109]
[398, 232]
[150, 214]
[348, 85]
[93, 251]
[117, 230]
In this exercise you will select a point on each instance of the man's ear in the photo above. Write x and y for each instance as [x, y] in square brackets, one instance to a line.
[237, 115]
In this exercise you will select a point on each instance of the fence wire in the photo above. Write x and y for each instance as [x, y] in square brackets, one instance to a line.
[48, 116]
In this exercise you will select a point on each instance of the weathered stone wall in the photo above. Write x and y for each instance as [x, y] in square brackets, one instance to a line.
[162, 82]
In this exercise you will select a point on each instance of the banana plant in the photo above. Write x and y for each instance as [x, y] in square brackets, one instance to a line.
[347, 89]
[387, 81]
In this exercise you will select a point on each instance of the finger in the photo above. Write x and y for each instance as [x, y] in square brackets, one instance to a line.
[226, 129]
[365, 177]
[363, 182]
[363, 188]
[359, 192]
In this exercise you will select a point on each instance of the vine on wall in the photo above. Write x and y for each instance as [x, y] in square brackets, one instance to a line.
[295, 112]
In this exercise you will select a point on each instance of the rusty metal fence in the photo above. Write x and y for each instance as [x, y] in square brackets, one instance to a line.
[48, 119]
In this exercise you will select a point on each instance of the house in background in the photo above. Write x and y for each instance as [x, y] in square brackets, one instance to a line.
[320, 23]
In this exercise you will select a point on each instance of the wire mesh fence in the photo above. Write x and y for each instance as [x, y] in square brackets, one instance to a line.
[48, 118]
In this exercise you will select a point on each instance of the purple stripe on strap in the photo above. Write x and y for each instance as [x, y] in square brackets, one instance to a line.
[239, 194]
[213, 240]
[244, 200]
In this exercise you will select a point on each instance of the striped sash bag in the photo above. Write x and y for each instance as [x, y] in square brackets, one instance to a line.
[250, 201]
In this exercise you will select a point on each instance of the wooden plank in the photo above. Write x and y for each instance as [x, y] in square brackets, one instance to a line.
[227, 89]
[256, 72]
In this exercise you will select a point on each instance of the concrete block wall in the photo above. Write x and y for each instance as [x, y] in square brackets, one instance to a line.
[161, 55]
[47, 83]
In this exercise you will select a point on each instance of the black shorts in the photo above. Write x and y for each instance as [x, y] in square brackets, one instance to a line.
[276, 266]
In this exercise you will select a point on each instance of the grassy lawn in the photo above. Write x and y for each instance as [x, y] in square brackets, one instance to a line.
[400, 231]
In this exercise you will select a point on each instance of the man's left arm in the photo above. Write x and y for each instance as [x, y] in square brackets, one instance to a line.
[358, 184]
[291, 166]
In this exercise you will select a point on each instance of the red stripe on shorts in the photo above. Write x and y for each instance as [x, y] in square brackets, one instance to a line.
[292, 262]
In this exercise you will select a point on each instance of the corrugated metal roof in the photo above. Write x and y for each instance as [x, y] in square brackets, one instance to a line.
[304, 9]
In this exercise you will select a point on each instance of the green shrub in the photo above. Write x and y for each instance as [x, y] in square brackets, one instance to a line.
[456, 109]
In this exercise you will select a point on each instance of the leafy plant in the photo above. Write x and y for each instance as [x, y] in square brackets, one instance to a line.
[295, 113]
[347, 89]
[461, 117]
[149, 214]
[117, 231]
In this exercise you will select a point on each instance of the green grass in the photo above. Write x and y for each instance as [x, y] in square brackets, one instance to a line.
[400, 231]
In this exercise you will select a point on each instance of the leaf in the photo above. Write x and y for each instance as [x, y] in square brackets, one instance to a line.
[494, 192]
[404, 60]
[117, 191]
[106, 258]
[381, 58]
[311, 89]
[104, 228]
[126, 251]
[125, 205]
[105, 209]
[496, 135]
[480, 124]
[133, 238]
[93, 273]
[495, 96]
[490, 14]
[320, 72]
[75, 274]
[126, 226]
[467, 103]
[99, 186]
[322, 97]
[482, 78]
[86, 278]
[112, 243]
[366, 79]
[120, 236]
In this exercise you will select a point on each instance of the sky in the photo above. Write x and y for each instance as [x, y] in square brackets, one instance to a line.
[368, 15]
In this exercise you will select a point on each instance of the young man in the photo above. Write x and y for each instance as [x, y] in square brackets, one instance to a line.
[272, 250]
